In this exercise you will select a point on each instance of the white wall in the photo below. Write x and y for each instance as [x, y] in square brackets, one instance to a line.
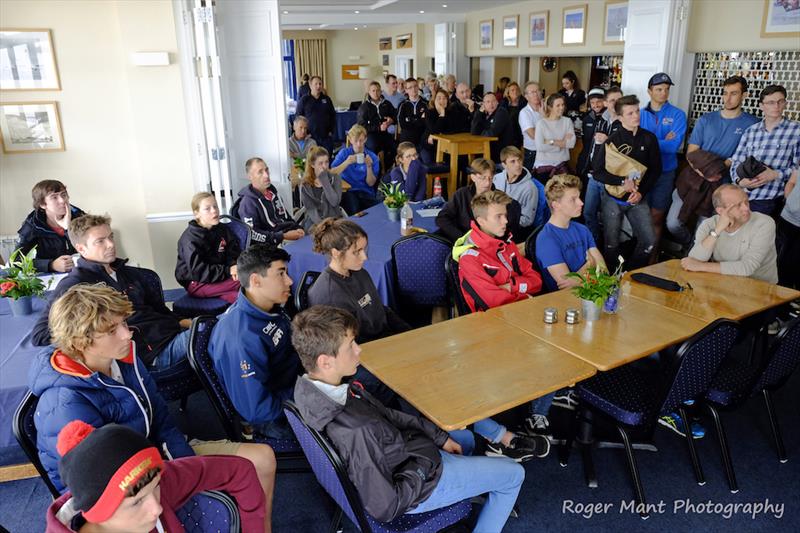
[722, 25]
[124, 127]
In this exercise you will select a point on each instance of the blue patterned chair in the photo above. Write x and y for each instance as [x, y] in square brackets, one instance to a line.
[332, 475]
[287, 451]
[209, 511]
[420, 276]
[737, 381]
[301, 290]
[25, 432]
[634, 399]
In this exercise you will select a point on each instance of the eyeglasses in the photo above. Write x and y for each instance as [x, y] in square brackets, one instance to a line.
[779, 103]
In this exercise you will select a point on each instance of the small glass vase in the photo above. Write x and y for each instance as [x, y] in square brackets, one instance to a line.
[612, 302]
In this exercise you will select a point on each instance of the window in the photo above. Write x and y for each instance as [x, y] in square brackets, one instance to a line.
[289, 79]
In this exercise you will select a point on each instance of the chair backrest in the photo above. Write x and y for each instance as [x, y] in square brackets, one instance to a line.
[153, 282]
[209, 511]
[451, 266]
[301, 291]
[239, 228]
[418, 263]
[203, 366]
[698, 360]
[783, 357]
[25, 432]
[328, 467]
[530, 246]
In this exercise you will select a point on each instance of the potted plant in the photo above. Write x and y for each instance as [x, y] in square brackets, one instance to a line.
[300, 164]
[394, 198]
[597, 290]
[19, 284]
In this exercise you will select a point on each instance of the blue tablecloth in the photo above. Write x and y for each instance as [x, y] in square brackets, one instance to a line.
[344, 121]
[381, 234]
[16, 353]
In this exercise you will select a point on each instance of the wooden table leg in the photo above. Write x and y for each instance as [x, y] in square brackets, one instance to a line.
[487, 150]
[452, 180]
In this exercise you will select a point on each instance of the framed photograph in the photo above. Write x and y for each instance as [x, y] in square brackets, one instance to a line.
[511, 30]
[616, 21]
[385, 60]
[486, 31]
[28, 61]
[781, 18]
[539, 28]
[573, 28]
[30, 127]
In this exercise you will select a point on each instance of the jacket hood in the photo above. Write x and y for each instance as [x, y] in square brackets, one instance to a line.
[251, 192]
[502, 179]
[315, 407]
[250, 309]
[711, 165]
[55, 369]
[475, 238]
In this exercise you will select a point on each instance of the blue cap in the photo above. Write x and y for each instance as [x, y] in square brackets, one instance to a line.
[658, 79]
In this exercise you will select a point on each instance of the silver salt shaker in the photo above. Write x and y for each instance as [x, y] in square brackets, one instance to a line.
[572, 316]
[550, 315]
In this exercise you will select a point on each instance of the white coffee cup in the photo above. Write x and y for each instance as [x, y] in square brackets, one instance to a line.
[360, 158]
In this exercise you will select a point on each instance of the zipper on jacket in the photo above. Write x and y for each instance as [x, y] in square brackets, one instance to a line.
[138, 402]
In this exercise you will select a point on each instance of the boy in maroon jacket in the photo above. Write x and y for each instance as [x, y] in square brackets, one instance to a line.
[118, 482]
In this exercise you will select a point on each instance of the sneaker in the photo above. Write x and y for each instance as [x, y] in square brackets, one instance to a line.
[774, 327]
[521, 448]
[674, 422]
[539, 426]
[566, 398]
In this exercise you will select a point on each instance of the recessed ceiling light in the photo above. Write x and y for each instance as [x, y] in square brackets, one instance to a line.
[421, 11]
[285, 12]
[356, 28]
[444, 5]
[356, 12]
[309, 29]
[363, 25]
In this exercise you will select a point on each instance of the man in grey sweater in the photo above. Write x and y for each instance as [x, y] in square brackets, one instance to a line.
[735, 241]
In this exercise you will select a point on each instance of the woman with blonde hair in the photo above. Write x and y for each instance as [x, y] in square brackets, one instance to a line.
[321, 189]
[358, 166]
[555, 137]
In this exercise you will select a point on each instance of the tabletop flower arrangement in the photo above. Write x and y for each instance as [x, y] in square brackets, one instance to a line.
[394, 198]
[598, 290]
[19, 283]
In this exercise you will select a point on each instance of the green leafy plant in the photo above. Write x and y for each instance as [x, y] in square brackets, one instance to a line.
[20, 279]
[393, 196]
[597, 285]
[300, 163]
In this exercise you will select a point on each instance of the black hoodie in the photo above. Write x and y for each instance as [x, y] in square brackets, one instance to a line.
[205, 255]
[264, 213]
[391, 457]
[455, 217]
[49, 245]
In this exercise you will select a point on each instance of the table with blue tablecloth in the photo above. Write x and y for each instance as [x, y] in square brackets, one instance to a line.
[344, 121]
[381, 234]
[16, 353]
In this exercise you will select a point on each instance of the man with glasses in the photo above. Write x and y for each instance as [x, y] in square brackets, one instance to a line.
[775, 142]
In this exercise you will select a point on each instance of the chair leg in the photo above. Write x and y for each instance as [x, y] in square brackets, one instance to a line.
[773, 425]
[336, 523]
[724, 450]
[687, 424]
[565, 448]
[585, 442]
[637, 482]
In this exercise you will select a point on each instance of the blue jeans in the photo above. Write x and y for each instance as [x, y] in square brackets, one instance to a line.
[489, 429]
[173, 353]
[642, 224]
[591, 208]
[464, 477]
[769, 207]
[660, 195]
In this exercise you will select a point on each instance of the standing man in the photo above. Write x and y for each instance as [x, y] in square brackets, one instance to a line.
[668, 123]
[411, 115]
[318, 109]
[491, 120]
[719, 132]
[528, 117]
[590, 121]
[775, 142]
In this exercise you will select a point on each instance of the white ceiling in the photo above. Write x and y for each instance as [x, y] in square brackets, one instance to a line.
[327, 15]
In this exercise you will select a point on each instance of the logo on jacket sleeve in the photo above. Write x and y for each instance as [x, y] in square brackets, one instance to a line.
[364, 301]
[246, 372]
[273, 331]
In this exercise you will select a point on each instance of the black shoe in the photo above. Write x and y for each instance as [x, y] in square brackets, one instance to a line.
[539, 426]
[521, 448]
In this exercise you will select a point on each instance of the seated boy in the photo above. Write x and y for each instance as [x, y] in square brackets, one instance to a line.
[259, 205]
[159, 333]
[491, 270]
[251, 344]
[399, 463]
[95, 375]
[358, 166]
[300, 142]
[118, 482]
[516, 181]
[456, 216]
[563, 245]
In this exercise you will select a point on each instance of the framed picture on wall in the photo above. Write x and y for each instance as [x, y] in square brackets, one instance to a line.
[539, 28]
[30, 127]
[616, 21]
[28, 61]
[781, 18]
[573, 27]
[511, 30]
[486, 31]
[385, 60]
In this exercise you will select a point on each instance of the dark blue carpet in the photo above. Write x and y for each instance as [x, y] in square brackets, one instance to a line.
[548, 490]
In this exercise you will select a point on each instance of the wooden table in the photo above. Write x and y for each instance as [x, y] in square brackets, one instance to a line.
[639, 328]
[457, 144]
[713, 295]
[470, 368]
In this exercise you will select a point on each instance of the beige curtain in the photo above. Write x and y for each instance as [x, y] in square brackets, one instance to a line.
[310, 57]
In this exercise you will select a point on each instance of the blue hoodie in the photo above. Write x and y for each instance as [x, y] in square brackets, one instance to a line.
[68, 390]
[660, 123]
[254, 359]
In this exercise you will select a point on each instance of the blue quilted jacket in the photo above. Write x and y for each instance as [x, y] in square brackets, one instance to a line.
[68, 391]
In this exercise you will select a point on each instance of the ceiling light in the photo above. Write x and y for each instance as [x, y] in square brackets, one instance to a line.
[363, 25]
[309, 29]
[285, 12]
[444, 5]
[356, 28]
[421, 11]
[356, 12]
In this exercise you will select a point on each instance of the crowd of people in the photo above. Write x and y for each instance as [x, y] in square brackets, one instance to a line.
[734, 209]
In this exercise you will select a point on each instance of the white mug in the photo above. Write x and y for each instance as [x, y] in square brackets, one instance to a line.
[360, 158]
